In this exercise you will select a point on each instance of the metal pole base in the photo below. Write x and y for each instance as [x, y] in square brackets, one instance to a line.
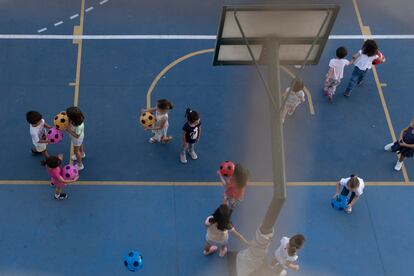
[250, 260]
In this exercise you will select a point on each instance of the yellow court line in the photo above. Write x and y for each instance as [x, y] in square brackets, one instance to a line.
[366, 31]
[78, 31]
[308, 94]
[175, 62]
[195, 184]
[168, 67]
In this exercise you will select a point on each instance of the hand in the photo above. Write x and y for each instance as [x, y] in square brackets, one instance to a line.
[60, 156]
[296, 268]
[335, 195]
[402, 143]
[143, 110]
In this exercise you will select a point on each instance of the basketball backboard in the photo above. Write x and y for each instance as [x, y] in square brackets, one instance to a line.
[295, 27]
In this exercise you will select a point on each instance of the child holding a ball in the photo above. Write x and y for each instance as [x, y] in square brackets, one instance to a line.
[218, 228]
[53, 166]
[353, 185]
[235, 185]
[160, 127]
[76, 131]
[286, 254]
[38, 128]
[191, 135]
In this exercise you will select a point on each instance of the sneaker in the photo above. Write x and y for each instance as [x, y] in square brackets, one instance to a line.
[283, 272]
[398, 166]
[348, 210]
[61, 196]
[211, 250]
[223, 251]
[347, 94]
[51, 184]
[80, 167]
[74, 156]
[166, 139]
[183, 158]
[330, 97]
[388, 146]
[193, 155]
[152, 140]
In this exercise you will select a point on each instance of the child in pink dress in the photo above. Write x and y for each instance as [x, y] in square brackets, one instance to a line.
[235, 186]
[53, 166]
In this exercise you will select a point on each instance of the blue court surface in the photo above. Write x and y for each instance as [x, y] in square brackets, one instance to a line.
[135, 195]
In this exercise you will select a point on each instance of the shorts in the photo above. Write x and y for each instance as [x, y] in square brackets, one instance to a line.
[77, 142]
[40, 147]
[231, 202]
[160, 133]
[218, 244]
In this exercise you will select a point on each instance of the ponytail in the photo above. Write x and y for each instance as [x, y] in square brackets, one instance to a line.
[191, 115]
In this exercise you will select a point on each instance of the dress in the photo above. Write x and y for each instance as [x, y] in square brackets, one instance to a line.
[408, 138]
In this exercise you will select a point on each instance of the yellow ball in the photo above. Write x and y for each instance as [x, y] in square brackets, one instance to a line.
[61, 121]
[147, 119]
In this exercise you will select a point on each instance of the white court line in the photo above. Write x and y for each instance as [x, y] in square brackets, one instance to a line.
[175, 37]
[58, 23]
[103, 2]
[74, 16]
[89, 9]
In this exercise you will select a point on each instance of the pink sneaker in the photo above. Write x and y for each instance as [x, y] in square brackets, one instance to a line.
[211, 250]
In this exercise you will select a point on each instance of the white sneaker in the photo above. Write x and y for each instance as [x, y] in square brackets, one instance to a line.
[80, 167]
[183, 158]
[74, 156]
[348, 210]
[283, 272]
[193, 155]
[398, 166]
[388, 146]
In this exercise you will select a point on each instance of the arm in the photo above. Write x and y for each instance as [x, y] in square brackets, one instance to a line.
[47, 126]
[403, 144]
[221, 178]
[355, 56]
[161, 126]
[239, 237]
[61, 179]
[199, 133]
[330, 73]
[353, 201]
[293, 266]
[71, 132]
[402, 133]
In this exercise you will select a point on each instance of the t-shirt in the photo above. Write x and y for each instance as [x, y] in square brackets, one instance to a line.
[364, 62]
[191, 132]
[55, 173]
[281, 254]
[79, 130]
[360, 189]
[338, 67]
[215, 234]
[295, 98]
[159, 117]
[233, 191]
[38, 132]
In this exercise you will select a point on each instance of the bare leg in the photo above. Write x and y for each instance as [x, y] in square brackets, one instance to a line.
[283, 115]
[58, 191]
[45, 154]
[81, 149]
[402, 157]
[78, 155]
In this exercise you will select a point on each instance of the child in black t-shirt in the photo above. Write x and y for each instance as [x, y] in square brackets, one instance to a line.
[191, 135]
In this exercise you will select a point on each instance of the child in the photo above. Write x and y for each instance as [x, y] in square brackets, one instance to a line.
[363, 62]
[352, 184]
[335, 72]
[235, 186]
[191, 134]
[38, 132]
[53, 165]
[404, 146]
[160, 127]
[76, 131]
[295, 97]
[286, 254]
[218, 225]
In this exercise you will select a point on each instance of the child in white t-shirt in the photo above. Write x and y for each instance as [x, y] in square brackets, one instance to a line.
[286, 254]
[335, 72]
[352, 184]
[363, 62]
[76, 131]
[38, 128]
[161, 125]
[295, 97]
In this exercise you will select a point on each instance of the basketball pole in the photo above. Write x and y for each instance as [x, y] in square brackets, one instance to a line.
[251, 260]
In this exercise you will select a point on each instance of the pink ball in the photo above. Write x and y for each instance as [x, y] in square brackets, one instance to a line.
[54, 135]
[69, 172]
